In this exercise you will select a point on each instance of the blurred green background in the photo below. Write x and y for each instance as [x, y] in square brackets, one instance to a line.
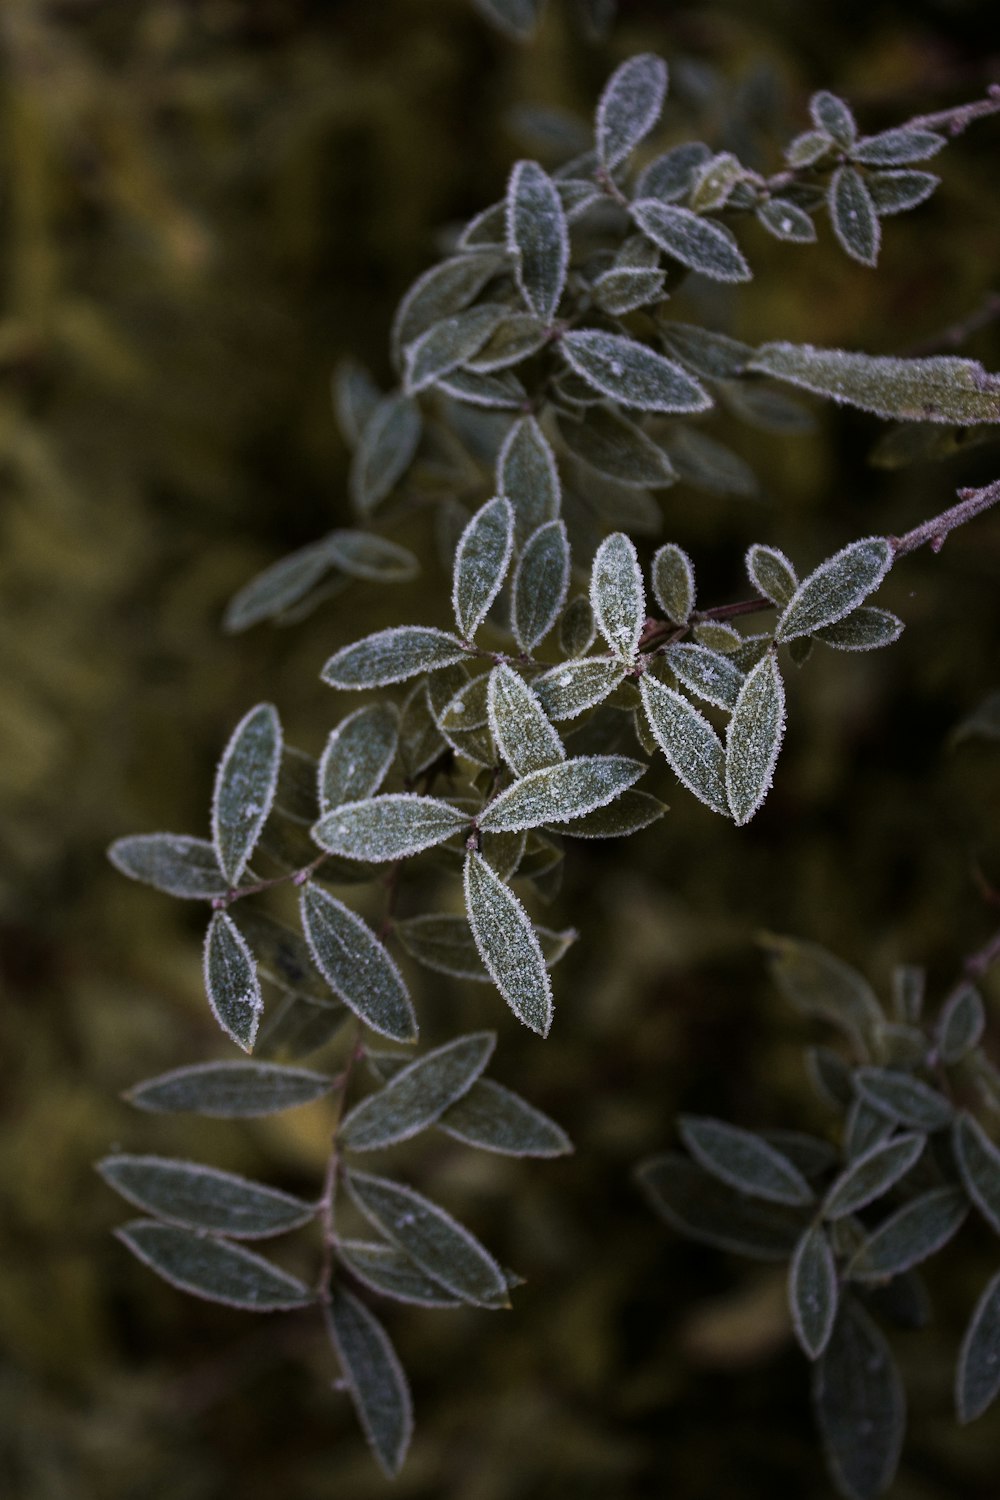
[204, 206]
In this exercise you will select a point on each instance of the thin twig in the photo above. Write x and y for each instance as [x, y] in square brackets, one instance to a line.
[933, 533]
[956, 334]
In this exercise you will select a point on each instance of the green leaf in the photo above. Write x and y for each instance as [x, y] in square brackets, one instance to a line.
[516, 18]
[527, 475]
[362, 554]
[231, 981]
[386, 1270]
[358, 754]
[673, 583]
[865, 1127]
[523, 735]
[541, 579]
[573, 686]
[356, 965]
[835, 588]
[392, 826]
[716, 356]
[864, 629]
[172, 863]
[626, 815]
[508, 945]
[896, 192]
[632, 373]
[481, 562]
[744, 1161]
[629, 107]
[230, 1090]
[515, 338]
[812, 1291]
[617, 595]
[577, 629]
[603, 439]
[385, 452]
[852, 213]
[560, 792]
[440, 1246]
[917, 1230]
[713, 182]
[701, 1207]
[978, 1161]
[374, 1377]
[500, 392]
[808, 148]
[418, 1095]
[689, 742]
[909, 987]
[786, 221]
[871, 1175]
[711, 675]
[830, 1076]
[494, 1119]
[700, 244]
[467, 709]
[625, 288]
[669, 177]
[897, 148]
[771, 574]
[212, 1268]
[355, 396]
[445, 944]
[708, 465]
[939, 389]
[961, 1024]
[277, 587]
[198, 1197]
[903, 1098]
[244, 788]
[537, 238]
[391, 656]
[833, 118]
[977, 1377]
[860, 1405]
[444, 289]
[447, 344]
[754, 739]
[818, 984]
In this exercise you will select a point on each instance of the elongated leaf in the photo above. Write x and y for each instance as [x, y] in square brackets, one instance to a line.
[527, 475]
[569, 689]
[508, 945]
[277, 588]
[626, 815]
[713, 182]
[961, 1024]
[607, 442]
[495, 1119]
[172, 863]
[708, 465]
[812, 1291]
[356, 965]
[700, 244]
[865, 1127]
[446, 288]
[231, 981]
[385, 452]
[770, 572]
[632, 373]
[541, 580]
[355, 396]
[625, 288]
[702, 1208]
[896, 192]
[917, 1230]
[418, 1095]
[977, 1376]
[852, 213]
[212, 1268]
[835, 588]
[230, 1090]
[244, 788]
[537, 238]
[386, 1270]
[448, 344]
[577, 630]
[941, 388]
[392, 826]
[872, 1175]
[523, 735]
[860, 1405]
[374, 1377]
[517, 18]
[903, 1098]
[897, 148]
[500, 392]
[673, 582]
[431, 1238]
[481, 562]
[689, 742]
[446, 944]
[864, 629]
[819, 984]
[362, 554]
[754, 739]
[560, 792]
[714, 677]
[833, 117]
[744, 1161]
[669, 177]
[786, 221]
[979, 1163]
[183, 1192]
[358, 754]
[630, 106]
[391, 656]
[617, 595]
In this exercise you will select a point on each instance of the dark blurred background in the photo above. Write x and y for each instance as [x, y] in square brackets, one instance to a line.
[203, 206]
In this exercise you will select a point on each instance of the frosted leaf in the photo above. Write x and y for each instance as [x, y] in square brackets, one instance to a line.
[527, 475]
[632, 373]
[500, 392]
[818, 984]
[977, 1377]
[213, 1269]
[363, 554]
[172, 863]
[391, 656]
[374, 1377]
[708, 464]
[833, 117]
[961, 1024]
[853, 215]
[481, 562]
[835, 588]
[356, 965]
[198, 1197]
[508, 945]
[864, 629]
[896, 192]
[630, 106]
[617, 595]
[701, 1207]
[523, 735]
[495, 1119]
[919, 1229]
[558, 793]
[941, 388]
[515, 338]
[898, 147]
[517, 18]
[277, 588]
[537, 238]
[700, 244]
[860, 1405]
[355, 396]
[446, 945]
[625, 288]
[386, 1270]
[576, 628]
[978, 1161]
[358, 754]
[467, 709]
[628, 814]
[444, 289]
[754, 739]
[812, 1291]
[668, 177]
[388, 443]
[673, 583]
[689, 742]
[808, 148]
[744, 1161]
[786, 221]
[231, 981]
[572, 687]
[541, 580]
[449, 343]
[871, 1175]
[417, 1095]
[714, 677]
[714, 181]
[606, 441]
[392, 826]
[230, 1090]
[771, 574]
[245, 784]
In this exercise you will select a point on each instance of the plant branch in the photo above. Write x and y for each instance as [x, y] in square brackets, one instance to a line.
[955, 120]
[934, 532]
